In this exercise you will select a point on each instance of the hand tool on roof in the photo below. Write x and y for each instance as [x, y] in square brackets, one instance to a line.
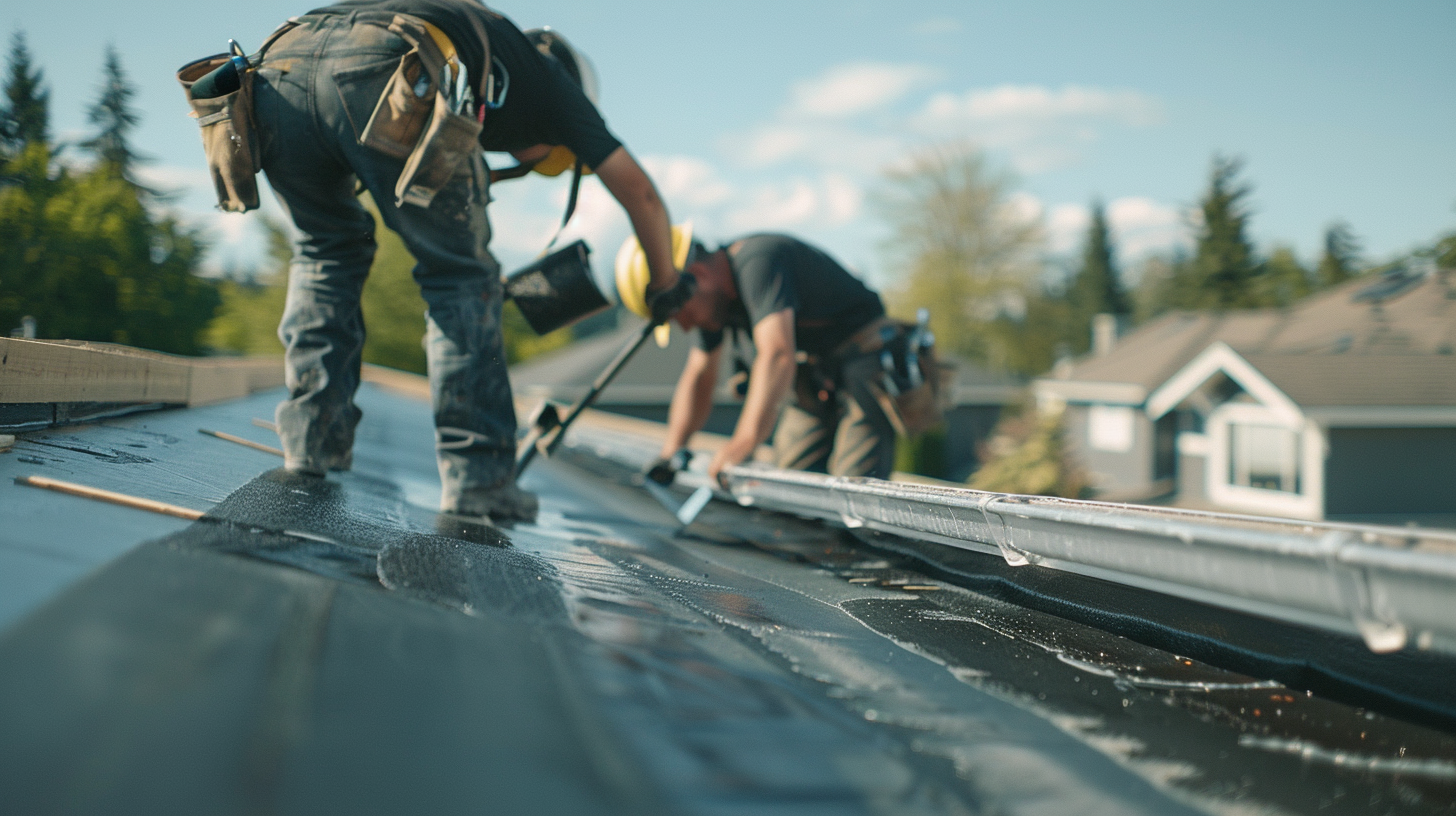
[548, 428]
[686, 511]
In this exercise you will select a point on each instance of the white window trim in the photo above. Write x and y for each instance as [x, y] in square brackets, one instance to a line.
[1306, 504]
[1220, 357]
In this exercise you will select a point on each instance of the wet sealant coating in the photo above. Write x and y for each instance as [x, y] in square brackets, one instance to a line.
[333, 645]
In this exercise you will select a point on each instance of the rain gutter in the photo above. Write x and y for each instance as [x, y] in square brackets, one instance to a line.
[1390, 586]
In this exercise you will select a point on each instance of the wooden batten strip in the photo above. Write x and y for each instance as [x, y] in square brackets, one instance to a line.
[110, 497]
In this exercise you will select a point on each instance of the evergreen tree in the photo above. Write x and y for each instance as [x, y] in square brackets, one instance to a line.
[115, 120]
[1096, 288]
[1341, 257]
[1283, 279]
[25, 114]
[1224, 265]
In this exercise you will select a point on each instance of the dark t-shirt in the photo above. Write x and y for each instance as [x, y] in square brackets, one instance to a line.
[776, 272]
[543, 105]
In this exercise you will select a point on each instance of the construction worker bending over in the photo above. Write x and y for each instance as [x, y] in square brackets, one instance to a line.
[817, 332]
[398, 97]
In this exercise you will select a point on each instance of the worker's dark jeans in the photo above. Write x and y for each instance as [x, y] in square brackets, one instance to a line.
[846, 435]
[315, 92]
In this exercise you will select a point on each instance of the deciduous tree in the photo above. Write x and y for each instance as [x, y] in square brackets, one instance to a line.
[959, 246]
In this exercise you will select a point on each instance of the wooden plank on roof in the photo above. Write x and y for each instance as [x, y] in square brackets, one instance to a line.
[45, 371]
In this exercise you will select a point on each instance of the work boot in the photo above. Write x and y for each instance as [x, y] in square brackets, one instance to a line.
[504, 502]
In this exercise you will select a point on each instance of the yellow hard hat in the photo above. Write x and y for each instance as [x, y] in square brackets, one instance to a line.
[632, 274]
[558, 161]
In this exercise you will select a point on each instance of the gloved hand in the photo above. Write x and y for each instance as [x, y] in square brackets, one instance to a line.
[664, 470]
[665, 304]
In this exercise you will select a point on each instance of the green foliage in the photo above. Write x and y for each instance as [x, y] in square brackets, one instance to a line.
[247, 321]
[958, 246]
[114, 119]
[1283, 279]
[83, 254]
[923, 454]
[394, 311]
[1050, 328]
[1341, 258]
[1224, 266]
[1445, 251]
[25, 112]
[1097, 286]
[1028, 455]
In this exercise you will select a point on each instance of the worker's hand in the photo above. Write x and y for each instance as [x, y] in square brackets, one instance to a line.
[664, 470]
[665, 303]
[733, 453]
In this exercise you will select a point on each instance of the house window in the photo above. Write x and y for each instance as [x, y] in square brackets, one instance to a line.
[1110, 428]
[1264, 456]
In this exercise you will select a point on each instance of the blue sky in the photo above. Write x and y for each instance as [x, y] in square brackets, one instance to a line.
[758, 115]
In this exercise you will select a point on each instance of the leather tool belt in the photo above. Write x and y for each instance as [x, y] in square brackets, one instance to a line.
[421, 116]
[909, 383]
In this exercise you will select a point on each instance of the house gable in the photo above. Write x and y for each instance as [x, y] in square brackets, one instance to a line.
[1219, 358]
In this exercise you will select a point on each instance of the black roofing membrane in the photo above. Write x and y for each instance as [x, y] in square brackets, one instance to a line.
[319, 646]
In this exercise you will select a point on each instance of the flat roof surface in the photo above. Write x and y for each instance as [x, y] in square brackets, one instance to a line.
[314, 646]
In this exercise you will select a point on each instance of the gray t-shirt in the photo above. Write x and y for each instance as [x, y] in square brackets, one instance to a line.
[776, 272]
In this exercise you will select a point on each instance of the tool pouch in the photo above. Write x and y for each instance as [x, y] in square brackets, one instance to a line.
[921, 408]
[912, 386]
[403, 109]
[413, 119]
[228, 136]
[448, 141]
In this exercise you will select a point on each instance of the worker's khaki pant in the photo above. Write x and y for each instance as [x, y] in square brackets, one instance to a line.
[845, 435]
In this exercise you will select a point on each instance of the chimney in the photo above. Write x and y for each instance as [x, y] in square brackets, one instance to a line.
[1104, 333]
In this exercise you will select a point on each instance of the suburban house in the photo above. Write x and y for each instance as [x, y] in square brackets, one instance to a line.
[645, 384]
[1342, 406]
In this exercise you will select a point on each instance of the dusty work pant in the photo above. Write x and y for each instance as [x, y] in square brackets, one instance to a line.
[847, 434]
[315, 92]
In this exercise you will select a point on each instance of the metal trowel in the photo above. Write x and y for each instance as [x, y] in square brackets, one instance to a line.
[685, 511]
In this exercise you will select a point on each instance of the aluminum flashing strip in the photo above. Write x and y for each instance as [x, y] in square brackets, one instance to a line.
[1391, 586]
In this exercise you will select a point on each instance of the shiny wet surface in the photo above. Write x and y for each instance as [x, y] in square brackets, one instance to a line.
[334, 645]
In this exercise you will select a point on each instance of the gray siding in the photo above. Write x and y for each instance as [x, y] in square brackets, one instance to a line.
[1114, 475]
[1390, 470]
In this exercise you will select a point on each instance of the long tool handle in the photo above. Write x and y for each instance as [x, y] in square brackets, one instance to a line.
[525, 456]
[98, 494]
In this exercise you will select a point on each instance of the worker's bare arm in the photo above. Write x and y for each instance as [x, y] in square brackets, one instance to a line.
[769, 381]
[625, 179]
[692, 400]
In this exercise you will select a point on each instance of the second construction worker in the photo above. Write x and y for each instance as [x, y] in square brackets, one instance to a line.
[818, 333]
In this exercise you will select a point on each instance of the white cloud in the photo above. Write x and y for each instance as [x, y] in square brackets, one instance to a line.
[1066, 227]
[688, 179]
[837, 146]
[843, 199]
[855, 88]
[937, 26]
[172, 177]
[1040, 128]
[1028, 102]
[776, 207]
[1139, 226]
